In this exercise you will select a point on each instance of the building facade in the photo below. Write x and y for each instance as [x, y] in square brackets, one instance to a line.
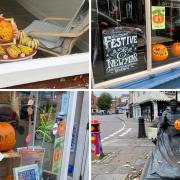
[149, 104]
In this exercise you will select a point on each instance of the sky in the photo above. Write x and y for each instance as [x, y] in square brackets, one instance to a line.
[113, 93]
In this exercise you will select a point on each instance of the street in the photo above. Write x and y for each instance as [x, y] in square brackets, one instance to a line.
[125, 154]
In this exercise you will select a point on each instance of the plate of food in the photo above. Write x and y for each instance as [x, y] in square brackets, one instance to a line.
[15, 45]
[13, 53]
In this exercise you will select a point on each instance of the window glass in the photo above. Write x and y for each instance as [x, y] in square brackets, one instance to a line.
[118, 38]
[165, 31]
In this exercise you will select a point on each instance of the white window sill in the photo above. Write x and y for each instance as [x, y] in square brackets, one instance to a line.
[16, 73]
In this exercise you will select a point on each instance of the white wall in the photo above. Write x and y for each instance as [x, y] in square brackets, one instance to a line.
[60, 8]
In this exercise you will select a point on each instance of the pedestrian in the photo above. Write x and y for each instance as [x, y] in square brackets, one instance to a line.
[127, 114]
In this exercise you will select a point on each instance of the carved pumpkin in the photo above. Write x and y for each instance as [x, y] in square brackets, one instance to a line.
[6, 31]
[177, 124]
[7, 136]
[159, 52]
[176, 49]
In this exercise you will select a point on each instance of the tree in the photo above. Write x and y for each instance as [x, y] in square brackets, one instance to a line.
[104, 101]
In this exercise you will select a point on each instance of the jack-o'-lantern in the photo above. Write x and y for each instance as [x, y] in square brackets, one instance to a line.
[159, 52]
[177, 124]
[6, 31]
[7, 137]
[176, 49]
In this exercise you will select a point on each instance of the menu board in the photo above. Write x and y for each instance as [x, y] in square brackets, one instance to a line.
[120, 49]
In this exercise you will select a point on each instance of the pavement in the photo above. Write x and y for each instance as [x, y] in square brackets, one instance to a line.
[125, 154]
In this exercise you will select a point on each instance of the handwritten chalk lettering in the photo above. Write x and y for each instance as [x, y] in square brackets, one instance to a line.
[120, 50]
[111, 42]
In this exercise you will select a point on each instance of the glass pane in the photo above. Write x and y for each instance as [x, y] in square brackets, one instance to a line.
[118, 38]
[165, 31]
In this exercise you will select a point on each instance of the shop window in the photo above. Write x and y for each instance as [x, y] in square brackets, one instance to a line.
[40, 120]
[118, 38]
[165, 31]
[129, 37]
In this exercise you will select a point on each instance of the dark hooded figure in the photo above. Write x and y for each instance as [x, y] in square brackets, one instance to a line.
[165, 160]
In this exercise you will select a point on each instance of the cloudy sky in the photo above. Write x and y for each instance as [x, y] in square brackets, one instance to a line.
[113, 93]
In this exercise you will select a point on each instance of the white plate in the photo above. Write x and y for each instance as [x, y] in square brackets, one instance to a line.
[19, 59]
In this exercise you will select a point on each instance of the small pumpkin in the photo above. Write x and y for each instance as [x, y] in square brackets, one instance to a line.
[177, 124]
[7, 137]
[176, 49]
[159, 52]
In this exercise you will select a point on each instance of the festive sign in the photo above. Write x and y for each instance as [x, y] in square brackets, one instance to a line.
[120, 49]
[158, 17]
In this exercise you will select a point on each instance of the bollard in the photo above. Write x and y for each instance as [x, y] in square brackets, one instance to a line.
[96, 147]
[141, 131]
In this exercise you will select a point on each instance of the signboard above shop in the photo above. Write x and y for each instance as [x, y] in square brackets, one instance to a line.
[170, 3]
[120, 49]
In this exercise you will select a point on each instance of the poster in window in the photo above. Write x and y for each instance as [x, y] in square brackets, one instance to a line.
[120, 50]
[158, 17]
[29, 172]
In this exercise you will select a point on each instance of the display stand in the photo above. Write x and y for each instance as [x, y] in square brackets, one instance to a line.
[10, 161]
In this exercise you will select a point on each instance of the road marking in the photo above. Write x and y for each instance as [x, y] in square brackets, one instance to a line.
[115, 133]
[124, 133]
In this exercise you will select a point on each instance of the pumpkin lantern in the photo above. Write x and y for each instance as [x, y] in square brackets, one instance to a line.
[159, 52]
[177, 124]
[6, 31]
[7, 137]
[176, 49]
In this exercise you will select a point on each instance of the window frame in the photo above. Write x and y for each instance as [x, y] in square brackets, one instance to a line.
[42, 69]
[150, 70]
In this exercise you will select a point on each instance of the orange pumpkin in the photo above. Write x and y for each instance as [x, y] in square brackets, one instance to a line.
[7, 136]
[176, 49]
[177, 124]
[159, 52]
[6, 31]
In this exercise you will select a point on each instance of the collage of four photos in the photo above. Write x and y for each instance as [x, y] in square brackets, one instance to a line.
[90, 90]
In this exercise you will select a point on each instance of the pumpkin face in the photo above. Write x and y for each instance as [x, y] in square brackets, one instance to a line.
[159, 52]
[176, 49]
[6, 31]
[7, 137]
[177, 124]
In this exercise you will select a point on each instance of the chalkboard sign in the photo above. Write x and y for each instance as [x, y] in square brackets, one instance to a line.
[120, 49]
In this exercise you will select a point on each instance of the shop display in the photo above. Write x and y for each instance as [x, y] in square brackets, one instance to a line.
[15, 45]
[176, 49]
[7, 137]
[159, 52]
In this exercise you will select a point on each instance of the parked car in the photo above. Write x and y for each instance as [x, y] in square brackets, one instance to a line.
[7, 114]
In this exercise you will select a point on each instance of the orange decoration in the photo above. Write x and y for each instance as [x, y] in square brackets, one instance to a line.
[159, 52]
[177, 124]
[6, 31]
[61, 128]
[8, 177]
[7, 136]
[158, 19]
[176, 49]
[57, 155]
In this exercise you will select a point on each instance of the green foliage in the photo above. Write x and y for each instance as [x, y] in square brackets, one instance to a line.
[104, 101]
[45, 126]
